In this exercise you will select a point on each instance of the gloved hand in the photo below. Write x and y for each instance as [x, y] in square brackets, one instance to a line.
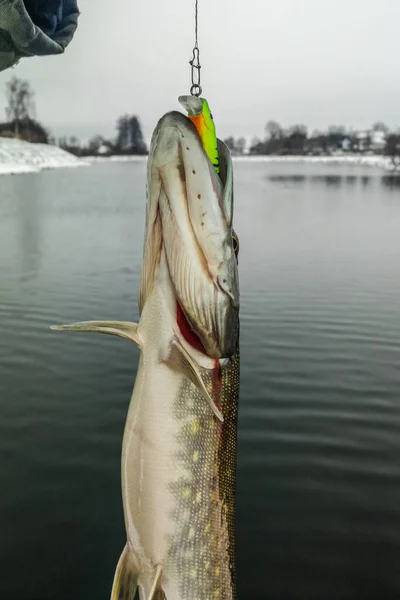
[35, 28]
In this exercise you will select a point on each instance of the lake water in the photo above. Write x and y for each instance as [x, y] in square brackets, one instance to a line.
[318, 513]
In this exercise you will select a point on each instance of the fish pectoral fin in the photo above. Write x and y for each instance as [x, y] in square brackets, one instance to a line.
[124, 329]
[126, 577]
[180, 359]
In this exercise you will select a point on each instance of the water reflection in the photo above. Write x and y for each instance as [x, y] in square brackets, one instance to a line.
[391, 181]
[29, 225]
[327, 180]
[287, 178]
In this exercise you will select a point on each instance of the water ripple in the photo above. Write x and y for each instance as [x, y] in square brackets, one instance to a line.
[319, 437]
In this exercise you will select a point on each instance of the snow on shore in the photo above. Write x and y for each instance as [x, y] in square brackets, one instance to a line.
[17, 156]
[379, 161]
[118, 158]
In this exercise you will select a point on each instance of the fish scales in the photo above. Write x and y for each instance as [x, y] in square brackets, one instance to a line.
[202, 550]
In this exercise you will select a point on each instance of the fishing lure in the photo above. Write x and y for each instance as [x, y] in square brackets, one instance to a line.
[200, 114]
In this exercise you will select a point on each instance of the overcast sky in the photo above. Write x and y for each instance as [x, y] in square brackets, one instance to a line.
[316, 62]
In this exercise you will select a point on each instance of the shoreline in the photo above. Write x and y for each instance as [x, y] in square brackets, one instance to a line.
[19, 157]
[373, 160]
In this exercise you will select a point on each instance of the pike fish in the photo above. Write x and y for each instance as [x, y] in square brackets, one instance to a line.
[179, 445]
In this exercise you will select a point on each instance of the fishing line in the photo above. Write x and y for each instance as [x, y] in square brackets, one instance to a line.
[195, 89]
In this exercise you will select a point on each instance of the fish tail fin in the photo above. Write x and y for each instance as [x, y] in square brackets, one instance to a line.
[126, 577]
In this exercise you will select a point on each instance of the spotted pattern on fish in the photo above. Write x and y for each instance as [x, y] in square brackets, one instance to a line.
[202, 550]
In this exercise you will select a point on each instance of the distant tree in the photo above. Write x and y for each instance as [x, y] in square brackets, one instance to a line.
[337, 129]
[20, 100]
[257, 146]
[130, 138]
[317, 143]
[335, 137]
[295, 141]
[317, 133]
[274, 138]
[21, 113]
[28, 130]
[237, 146]
[298, 130]
[94, 144]
[230, 142]
[379, 126]
[138, 143]
[71, 145]
[240, 145]
[273, 130]
[123, 137]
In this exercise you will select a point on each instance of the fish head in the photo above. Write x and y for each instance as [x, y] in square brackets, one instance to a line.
[189, 219]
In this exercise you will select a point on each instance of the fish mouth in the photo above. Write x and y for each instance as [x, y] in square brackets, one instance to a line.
[189, 216]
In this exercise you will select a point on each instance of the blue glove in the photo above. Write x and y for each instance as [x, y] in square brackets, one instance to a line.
[35, 28]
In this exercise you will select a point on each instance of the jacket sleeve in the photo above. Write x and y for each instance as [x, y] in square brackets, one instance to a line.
[35, 28]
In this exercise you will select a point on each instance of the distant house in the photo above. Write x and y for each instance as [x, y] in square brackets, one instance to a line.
[378, 141]
[26, 129]
[363, 140]
[369, 141]
[346, 144]
[105, 149]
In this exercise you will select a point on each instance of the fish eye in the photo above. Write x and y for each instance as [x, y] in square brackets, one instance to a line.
[235, 242]
[211, 115]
